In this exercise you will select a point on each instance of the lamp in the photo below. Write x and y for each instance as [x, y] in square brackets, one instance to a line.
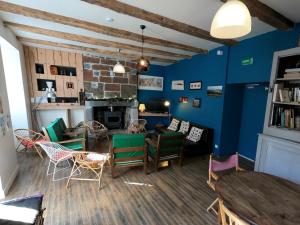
[232, 20]
[167, 104]
[50, 93]
[142, 107]
[143, 64]
[119, 68]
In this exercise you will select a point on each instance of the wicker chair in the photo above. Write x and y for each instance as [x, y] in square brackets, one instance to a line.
[137, 126]
[57, 155]
[28, 139]
[96, 130]
[89, 161]
[228, 217]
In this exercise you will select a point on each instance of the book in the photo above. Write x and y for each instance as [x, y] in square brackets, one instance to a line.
[292, 70]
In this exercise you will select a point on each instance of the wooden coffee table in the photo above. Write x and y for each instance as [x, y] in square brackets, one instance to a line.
[260, 198]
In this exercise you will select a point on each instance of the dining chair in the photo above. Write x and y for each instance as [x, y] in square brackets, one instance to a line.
[228, 217]
[90, 162]
[28, 139]
[217, 166]
[57, 155]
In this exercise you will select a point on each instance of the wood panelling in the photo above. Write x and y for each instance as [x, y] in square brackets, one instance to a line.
[142, 14]
[94, 41]
[39, 14]
[49, 57]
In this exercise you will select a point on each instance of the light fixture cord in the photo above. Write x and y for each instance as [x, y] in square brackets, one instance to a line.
[142, 42]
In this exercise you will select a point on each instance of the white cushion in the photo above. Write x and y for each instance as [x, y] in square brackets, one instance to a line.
[195, 134]
[184, 127]
[174, 125]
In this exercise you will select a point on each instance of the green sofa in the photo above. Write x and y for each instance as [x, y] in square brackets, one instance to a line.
[128, 150]
[56, 132]
[168, 145]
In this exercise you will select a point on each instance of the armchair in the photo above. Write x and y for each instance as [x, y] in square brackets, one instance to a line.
[168, 145]
[56, 132]
[128, 150]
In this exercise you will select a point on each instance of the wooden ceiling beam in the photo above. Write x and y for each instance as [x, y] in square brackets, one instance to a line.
[163, 21]
[39, 14]
[268, 15]
[91, 50]
[93, 41]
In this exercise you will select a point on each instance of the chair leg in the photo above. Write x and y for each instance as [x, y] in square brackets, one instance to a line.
[156, 162]
[100, 178]
[38, 151]
[211, 207]
[112, 171]
[71, 174]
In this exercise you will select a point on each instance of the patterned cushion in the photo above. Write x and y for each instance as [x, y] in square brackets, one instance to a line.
[184, 127]
[174, 125]
[195, 134]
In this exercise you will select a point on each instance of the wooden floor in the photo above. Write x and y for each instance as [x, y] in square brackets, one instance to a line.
[172, 196]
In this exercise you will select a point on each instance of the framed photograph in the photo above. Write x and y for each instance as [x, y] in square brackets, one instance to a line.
[196, 85]
[196, 102]
[70, 85]
[153, 83]
[214, 91]
[53, 70]
[178, 85]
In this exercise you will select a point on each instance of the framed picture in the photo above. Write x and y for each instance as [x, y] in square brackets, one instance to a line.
[178, 85]
[53, 70]
[153, 83]
[70, 85]
[197, 85]
[196, 102]
[214, 91]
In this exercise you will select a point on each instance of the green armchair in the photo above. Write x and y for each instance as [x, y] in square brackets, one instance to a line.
[168, 145]
[56, 132]
[128, 150]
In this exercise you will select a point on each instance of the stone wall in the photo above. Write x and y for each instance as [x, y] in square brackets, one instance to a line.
[100, 82]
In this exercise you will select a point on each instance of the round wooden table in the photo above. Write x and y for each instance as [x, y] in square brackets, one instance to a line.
[261, 198]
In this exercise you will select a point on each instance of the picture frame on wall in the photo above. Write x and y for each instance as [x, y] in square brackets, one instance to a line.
[196, 102]
[152, 83]
[196, 85]
[215, 91]
[178, 85]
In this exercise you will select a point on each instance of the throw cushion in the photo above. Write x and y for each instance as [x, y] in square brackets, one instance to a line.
[184, 127]
[195, 134]
[174, 125]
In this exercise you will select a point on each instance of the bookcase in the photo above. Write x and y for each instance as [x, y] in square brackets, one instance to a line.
[278, 147]
[282, 117]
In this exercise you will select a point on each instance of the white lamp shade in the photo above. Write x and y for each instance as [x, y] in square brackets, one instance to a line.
[119, 68]
[232, 20]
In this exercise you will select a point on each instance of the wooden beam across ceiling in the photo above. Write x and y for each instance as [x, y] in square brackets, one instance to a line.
[267, 14]
[133, 11]
[39, 14]
[91, 50]
[91, 40]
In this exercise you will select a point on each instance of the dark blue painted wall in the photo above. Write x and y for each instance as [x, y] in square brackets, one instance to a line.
[216, 112]
[211, 70]
[252, 119]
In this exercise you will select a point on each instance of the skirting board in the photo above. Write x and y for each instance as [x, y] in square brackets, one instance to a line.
[11, 179]
[251, 160]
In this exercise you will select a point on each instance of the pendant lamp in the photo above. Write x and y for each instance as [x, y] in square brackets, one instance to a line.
[232, 20]
[119, 68]
[143, 64]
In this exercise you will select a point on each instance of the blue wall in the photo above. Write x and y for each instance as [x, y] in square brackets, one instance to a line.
[237, 116]
[211, 70]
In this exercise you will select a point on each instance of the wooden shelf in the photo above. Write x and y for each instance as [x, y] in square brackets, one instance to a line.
[288, 103]
[154, 114]
[54, 106]
[288, 79]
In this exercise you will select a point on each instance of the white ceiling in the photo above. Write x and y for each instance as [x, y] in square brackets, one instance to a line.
[198, 13]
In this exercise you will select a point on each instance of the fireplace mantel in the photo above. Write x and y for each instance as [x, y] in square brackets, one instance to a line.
[104, 103]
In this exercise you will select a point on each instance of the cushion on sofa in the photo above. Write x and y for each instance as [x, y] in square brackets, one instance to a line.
[195, 134]
[174, 125]
[184, 127]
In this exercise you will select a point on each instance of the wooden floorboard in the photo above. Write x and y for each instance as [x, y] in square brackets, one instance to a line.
[175, 195]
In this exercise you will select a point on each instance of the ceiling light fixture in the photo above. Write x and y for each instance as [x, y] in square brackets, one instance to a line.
[143, 64]
[232, 20]
[119, 68]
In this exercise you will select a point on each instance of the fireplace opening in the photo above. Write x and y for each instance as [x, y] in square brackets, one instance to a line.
[111, 117]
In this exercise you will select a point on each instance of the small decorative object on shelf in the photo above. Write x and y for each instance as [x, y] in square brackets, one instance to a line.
[197, 85]
[197, 102]
[183, 99]
[82, 97]
[53, 70]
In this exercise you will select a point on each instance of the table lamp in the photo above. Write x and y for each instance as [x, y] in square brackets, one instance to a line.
[142, 107]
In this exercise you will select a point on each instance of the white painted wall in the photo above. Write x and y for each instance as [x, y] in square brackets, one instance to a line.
[8, 159]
